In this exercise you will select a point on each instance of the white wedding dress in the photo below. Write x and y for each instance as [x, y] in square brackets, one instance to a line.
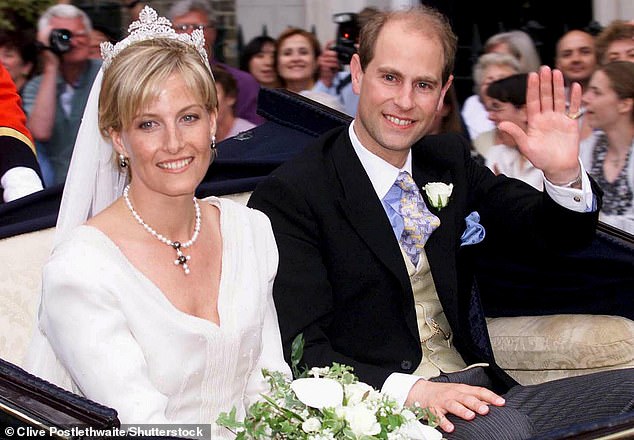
[108, 333]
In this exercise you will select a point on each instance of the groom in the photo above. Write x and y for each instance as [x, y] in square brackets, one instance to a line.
[370, 269]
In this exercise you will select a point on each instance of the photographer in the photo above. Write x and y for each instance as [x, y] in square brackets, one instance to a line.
[334, 77]
[54, 101]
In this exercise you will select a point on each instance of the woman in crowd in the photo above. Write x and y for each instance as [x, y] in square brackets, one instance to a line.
[607, 154]
[296, 59]
[18, 54]
[297, 66]
[159, 306]
[490, 67]
[448, 120]
[228, 123]
[517, 44]
[507, 102]
[616, 42]
[258, 58]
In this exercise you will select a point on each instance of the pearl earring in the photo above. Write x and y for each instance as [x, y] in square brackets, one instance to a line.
[124, 162]
[214, 151]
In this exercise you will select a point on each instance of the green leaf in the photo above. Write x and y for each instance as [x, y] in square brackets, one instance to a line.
[229, 420]
[427, 415]
[285, 411]
[297, 352]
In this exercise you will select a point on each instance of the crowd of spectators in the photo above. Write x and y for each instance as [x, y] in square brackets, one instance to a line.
[54, 87]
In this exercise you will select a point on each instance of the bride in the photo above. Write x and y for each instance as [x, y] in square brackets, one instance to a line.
[155, 303]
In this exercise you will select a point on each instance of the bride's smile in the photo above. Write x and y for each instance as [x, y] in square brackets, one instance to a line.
[175, 165]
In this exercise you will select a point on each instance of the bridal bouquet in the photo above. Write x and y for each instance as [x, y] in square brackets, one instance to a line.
[328, 403]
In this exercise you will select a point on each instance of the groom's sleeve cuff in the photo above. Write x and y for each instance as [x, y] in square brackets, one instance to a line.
[398, 385]
[579, 200]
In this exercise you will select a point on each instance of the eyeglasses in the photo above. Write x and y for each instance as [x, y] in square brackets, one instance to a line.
[188, 27]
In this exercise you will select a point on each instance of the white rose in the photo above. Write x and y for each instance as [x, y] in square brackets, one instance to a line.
[438, 193]
[340, 412]
[318, 372]
[417, 431]
[362, 421]
[318, 392]
[356, 391]
[408, 415]
[311, 425]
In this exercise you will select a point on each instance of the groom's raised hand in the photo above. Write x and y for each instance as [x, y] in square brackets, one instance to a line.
[551, 141]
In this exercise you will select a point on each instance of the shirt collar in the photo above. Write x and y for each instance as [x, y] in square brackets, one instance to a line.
[381, 173]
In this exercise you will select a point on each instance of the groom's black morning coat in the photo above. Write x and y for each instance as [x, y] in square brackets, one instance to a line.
[342, 281]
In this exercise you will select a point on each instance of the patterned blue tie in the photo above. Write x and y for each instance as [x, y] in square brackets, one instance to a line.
[418, 221]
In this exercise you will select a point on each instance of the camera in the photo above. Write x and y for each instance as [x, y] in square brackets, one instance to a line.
[347, 36]
[59, 41]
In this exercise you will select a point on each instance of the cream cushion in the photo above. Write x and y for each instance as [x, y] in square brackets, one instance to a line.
[534, 349]
[21, 260]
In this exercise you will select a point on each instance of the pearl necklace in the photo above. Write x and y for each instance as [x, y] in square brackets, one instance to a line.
[181, 259]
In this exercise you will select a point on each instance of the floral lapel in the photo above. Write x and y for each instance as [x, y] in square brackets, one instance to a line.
[438, 194]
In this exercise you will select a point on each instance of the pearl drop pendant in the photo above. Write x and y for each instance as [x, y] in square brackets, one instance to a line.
[181, 258]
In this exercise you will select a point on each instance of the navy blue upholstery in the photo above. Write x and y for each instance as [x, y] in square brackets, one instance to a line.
[596, 280]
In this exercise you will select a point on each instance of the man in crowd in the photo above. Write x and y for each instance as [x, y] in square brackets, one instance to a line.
[371, 272]
[334, 78]
[187, 15]
[54, 101]
[576, 57]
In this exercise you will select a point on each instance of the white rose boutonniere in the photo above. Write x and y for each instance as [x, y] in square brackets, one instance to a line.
[438, 193]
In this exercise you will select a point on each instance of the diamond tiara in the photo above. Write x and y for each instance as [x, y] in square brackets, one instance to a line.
[148, 27]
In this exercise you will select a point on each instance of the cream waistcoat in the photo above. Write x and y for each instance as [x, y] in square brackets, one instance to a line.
[436, 337]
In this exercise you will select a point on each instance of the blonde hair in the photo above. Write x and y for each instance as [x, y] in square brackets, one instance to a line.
[137, 74]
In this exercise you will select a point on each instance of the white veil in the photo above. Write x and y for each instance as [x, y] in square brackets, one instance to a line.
[94, 179]
[93, 182]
